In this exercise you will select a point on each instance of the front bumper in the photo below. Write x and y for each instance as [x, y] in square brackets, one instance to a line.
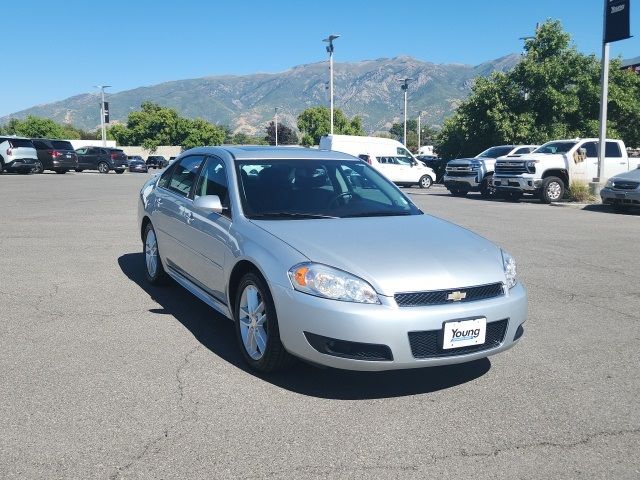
[469, 182]
[138, 169]
[387, 325]
[520, 183]
[21, 164]
[623, 197]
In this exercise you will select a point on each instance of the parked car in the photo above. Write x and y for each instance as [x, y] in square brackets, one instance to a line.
[438, 165]
[549, 170]
[134, 157]
[309, 264]
[156, 161]
[622, 191]
[464, 175]
[386, 155]
[102, 159]
[138, 165]
[17, 155]
[56, 155]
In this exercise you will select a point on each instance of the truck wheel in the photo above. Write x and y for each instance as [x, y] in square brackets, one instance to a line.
[425, 181]
[486, 189]
[103, 167]
[552, 190]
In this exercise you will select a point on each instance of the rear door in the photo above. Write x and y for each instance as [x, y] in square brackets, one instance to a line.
[614, 160]
[42, 150]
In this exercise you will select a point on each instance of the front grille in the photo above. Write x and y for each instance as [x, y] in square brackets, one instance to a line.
[428, 344]
[511, 168]
[625, 185]
[460, 174]
[440, 297]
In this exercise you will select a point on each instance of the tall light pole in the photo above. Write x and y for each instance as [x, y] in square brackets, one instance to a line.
[330, 40]
[405, 86]
[420, 113]
[276, 124]
[102, 124]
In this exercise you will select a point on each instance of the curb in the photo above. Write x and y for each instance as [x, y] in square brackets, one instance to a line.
[580, 206]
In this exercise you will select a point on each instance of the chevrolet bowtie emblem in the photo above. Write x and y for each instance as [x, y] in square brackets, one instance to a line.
[457, 296]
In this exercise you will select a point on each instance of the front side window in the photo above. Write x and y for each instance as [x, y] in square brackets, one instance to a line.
[303, 189]
[184, 175]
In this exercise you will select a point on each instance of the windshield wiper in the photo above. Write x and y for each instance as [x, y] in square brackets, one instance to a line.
[382, 213]
[274, 215]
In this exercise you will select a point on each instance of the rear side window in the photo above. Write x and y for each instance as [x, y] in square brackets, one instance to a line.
[61, 145]
[612, 150]
[20, 142]
[185, 174]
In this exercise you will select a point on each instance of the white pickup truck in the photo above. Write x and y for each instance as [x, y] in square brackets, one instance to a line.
[549, 170]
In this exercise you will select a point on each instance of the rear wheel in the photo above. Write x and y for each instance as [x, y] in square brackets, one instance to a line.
[39, 168]
[552, 190]
[425, 181]
[257, 328]
[103, 167]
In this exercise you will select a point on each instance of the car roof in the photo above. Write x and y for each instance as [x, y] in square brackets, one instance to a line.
[260, 152]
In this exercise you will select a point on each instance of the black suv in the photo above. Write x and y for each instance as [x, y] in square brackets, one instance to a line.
[102, 159]
[156, 161]
[56, 155]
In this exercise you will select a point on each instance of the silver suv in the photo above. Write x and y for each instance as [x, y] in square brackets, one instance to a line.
[17, 155]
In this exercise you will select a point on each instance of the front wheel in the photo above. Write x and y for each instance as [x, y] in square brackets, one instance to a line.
[552, 190]
[256, 325]
[425, 181]
[486, 188]
[39, 168]
[103, 167]
[154, 271]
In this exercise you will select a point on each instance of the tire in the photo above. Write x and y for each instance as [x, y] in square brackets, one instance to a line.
[511, 196]
[154, 271]
[39, 168]
[61, 172]
[119, 171]
[255, 318]
[486, 189]
[458, 193]
[552, 190]
[425, 181]
[103, 167]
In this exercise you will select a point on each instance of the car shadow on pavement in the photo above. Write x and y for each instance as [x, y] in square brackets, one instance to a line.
[216, 333]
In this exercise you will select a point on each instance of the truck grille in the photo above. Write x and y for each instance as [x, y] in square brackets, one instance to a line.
[428, 344]
[441, 297]
[510, 168]
[625, 185]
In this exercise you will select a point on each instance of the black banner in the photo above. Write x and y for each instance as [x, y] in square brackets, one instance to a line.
[105, 110]
[616, 20]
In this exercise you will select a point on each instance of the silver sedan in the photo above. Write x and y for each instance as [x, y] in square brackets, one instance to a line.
[315, 255]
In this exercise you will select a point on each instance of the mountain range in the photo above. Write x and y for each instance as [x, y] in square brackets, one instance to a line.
[370, 89]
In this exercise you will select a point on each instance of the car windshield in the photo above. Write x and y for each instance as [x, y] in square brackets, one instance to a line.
[61, 145]
[495, 152]
[555, 147]
[306, 189]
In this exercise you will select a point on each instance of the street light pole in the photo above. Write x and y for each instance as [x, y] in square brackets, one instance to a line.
[420, 113]
[103, 127]
[405, 86]
[276, 124]
[330, 40]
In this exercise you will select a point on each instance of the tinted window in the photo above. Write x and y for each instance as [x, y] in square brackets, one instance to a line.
[185, 174]
[213, 181]
[93, 151]
[590, 147]
[62, 145]
[612, 149]
[164, 179]
[40, 145]
[520, 151]
[495, 152]
[20, 142]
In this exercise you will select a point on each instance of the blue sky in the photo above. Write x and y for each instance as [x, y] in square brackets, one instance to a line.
[65, 47]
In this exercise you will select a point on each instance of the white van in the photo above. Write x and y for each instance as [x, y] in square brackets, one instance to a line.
[386, 155]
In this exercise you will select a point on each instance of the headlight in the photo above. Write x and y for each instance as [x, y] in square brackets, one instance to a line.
[509, 265]
[328, 282]
[530, 165]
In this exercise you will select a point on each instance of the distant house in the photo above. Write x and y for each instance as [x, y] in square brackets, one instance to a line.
[632, 64]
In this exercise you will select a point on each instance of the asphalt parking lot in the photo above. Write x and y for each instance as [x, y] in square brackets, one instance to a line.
[103, 376]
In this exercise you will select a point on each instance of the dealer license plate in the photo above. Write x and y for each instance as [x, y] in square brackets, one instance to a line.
[464, 333]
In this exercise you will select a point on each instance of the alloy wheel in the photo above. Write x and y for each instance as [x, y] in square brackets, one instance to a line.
[554, 190]
[253, 320]
[151, 253]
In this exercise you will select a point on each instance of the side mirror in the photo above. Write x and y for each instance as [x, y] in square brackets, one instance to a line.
[208, 203]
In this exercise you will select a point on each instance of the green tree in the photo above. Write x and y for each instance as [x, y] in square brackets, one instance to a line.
[34, 127]
[315, 122]
[286, 135]
[552, 93]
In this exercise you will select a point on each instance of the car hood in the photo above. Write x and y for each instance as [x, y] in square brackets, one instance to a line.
[395, 254]
[633, 175]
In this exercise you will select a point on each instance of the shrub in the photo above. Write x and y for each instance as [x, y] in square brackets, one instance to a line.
[579, 192]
